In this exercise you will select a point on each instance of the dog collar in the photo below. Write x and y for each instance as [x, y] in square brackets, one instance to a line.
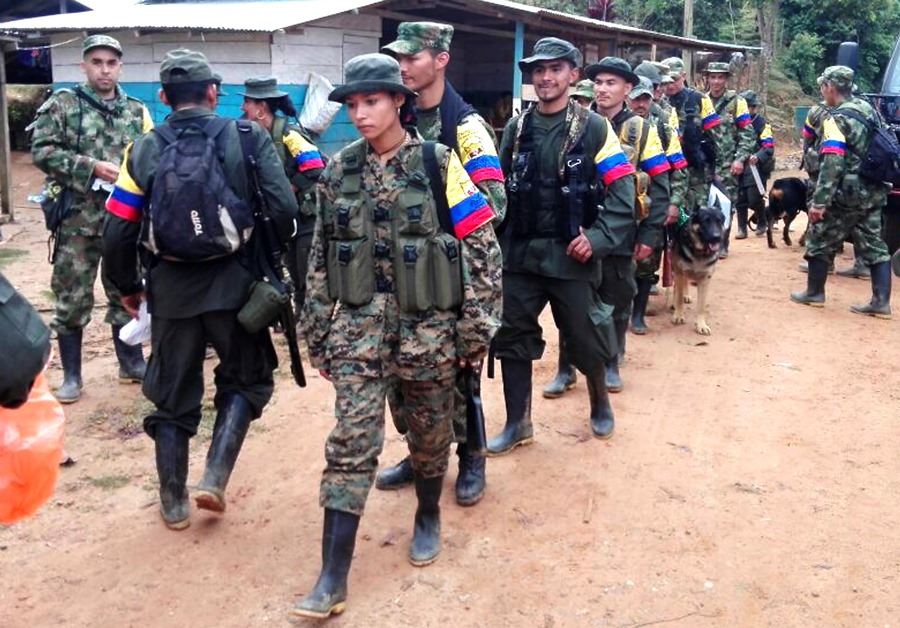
[683, 218]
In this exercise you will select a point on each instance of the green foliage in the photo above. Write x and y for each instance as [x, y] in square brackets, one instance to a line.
[801, 59]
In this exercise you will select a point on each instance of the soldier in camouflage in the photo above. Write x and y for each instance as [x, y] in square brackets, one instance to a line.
[395, 301]
[423, 51]
[738, 137]
[79, 137]
[843, 202]
[812, 144]
[584, 93]
[749, 196]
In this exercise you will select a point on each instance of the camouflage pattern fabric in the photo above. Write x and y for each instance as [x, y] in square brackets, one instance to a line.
[738, 140]
[414, 37]
[826, 237]
[352, 448]
[106, 129]
[707, 119]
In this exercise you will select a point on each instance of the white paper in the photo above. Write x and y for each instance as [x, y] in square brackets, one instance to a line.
[718, 198]
[318, 112]
[138, 329]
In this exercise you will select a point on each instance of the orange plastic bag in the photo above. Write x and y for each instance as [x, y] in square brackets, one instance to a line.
[30, 449]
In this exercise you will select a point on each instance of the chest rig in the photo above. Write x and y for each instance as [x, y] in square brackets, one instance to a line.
[419, 261]
[633, 138]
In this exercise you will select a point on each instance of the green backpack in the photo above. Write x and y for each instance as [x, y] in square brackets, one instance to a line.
[24, 346]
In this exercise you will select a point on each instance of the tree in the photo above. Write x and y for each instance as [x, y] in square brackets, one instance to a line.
[767, 13]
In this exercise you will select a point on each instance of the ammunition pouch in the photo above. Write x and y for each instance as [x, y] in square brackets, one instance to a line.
[641, 195]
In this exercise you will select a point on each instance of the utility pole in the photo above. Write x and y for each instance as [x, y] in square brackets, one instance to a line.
[688, 32]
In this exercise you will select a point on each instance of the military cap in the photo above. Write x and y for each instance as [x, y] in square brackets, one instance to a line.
[717, 67]
[838, 75]
[751, 98]
[101, 41]
[612, 65]
[372, 72]
[550, 48]
[414, 37]
[650, 71]
[643, 88]
[675, 65]
[584, 89]
[217, 79]
[261, 88]
[185, 66]
[665, 75]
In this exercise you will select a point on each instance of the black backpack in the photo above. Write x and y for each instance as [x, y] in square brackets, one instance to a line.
[194, 214]
[24, 346]
[881, 161]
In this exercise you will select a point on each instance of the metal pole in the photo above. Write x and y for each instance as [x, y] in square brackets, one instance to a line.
[6, 204]
[518, 53]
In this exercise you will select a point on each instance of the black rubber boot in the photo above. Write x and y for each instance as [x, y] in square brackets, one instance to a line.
[232, 423]
[742, 223]
[70, 356]
[396, 477]
[470, 481]
[880, 305]
[132, 366]
[172, 469]
[614, 382]
[762, 223]
[426, 542]
[859, 270]
[602, 420]
[329, 596]
[814, 294]
[565, 378]
[726, 239]
[639, 307]
[517, 395]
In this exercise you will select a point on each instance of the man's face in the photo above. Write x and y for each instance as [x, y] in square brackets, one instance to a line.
[581, 100]
[658, 90]
[610, 90]
[676, 85]
[641, 105]
[102, 67]
[717, 82]
[551, 79]
[422, 69]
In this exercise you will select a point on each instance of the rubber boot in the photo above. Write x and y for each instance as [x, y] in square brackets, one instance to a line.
[639, 307]
[470, 481]
[726, 239]
[329, 596]
[517, 396]
[814, 294]
[803, 267]
[742, 223]
[602, 420]
[232, 423]
[859, 270]
[762, 223]
[172, 469]
[70, 356]
[880, 305]
[396, 477]
[426, 542]
[565, 378]
[614, 382]
[132, 366]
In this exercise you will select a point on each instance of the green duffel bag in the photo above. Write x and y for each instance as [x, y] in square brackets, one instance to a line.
[24, 346]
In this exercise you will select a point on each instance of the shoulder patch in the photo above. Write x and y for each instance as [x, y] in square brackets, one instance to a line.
[477, 151]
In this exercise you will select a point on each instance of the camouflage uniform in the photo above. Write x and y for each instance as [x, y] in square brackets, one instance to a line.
[812, 144]
[749, 196]
[738, 140]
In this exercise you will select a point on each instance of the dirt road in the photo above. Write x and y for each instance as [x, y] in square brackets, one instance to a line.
[752, 481]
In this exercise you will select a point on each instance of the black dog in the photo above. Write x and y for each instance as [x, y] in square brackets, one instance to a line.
[786, 200]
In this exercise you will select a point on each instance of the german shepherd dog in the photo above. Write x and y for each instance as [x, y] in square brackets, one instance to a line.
[695, 254]
[786, 200]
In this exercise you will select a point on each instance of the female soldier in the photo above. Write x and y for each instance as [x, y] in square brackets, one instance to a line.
[302, 163]
[395, 299]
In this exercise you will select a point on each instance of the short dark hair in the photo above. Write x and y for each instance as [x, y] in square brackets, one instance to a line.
[193, 93]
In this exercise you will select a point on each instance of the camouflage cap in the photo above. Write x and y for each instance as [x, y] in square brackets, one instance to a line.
[550, 48]
[675, 65]
[373, 72]
[751, 98]
[612, 65]
[649, 70]
[185, 66]
[261, 88]
[717, 67]
[413, 37]
[643, 88]
[838, 75]
[584, 89]
[101, 41]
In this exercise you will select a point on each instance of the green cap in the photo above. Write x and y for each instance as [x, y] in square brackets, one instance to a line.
[550, 48]
[101, 41]
[665, 74]
[650, 71]
[643, 88]
[217, 79]
[751, 98]
[185, 66]
[372, 72]
[717, 67]
[839, 75]
[414, 37]
[612, 65]
[675, 65]
[262, 87]
[584, 89]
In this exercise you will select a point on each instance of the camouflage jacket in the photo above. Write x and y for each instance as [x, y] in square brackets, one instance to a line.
[812, 141]
[738, 137]
[668, 135]
[72, 133]
[844, 141]
[378, 338]
[302, 161]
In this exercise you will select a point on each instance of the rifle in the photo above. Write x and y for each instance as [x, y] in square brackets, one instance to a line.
[268, 253]
[476, 438]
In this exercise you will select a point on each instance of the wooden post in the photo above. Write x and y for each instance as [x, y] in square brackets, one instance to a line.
[518, 54]
[653, 51]
[6, 204]
[688, 32]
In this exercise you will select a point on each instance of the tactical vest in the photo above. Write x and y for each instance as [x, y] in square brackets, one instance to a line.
[575, 188]
[633, 140]
[426, 259]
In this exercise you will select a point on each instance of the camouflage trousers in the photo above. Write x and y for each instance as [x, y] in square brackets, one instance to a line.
[397, 404]
[826, 237]
[697, 192]
[353, 447]
[648, 269]
[74, 274]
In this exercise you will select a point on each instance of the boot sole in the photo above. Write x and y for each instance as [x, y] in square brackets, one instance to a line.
[520, 443]
[130, 380]
[337, 609]
[208, 501]
[68, 401]
[604, 436]
[178, 525]
[392, 487]
[556, 395]
[639, 331]
[423, 563]
[883, 317]
[808, 303]
[471, 501]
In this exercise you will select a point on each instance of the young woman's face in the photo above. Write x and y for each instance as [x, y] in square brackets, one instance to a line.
[373, 114]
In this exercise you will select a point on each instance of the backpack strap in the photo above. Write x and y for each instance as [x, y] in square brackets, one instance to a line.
[245, 134]
[429, 157]
[166, 133]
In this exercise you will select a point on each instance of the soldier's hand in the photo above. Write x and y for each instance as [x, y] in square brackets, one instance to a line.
[106, 170]
[754, 160]
[580, 248]
[642, 252]
[737, 167]
[671, 215]
[132, 303]
[816, 213]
